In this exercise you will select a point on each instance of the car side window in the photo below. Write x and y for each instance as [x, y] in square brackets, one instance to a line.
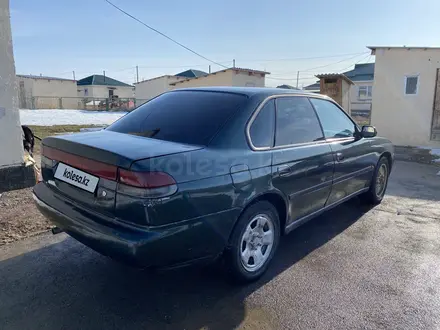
[262, 128]
[296, 122]
[335, 122]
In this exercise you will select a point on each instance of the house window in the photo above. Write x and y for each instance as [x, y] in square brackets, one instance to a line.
[411, 85]
[86, 92]
[365, 92]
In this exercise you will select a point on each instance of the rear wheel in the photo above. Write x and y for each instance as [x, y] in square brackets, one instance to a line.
[253, 242]
[379, 183]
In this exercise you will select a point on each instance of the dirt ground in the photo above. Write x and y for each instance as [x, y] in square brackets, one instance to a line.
[19, 217]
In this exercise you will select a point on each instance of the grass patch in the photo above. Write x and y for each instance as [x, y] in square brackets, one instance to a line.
[43, 131]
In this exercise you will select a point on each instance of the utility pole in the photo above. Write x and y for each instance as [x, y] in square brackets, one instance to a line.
[137, 74]
[73, 75]
[297, 79]
[233, 63]
[210, 69]
[104, 74]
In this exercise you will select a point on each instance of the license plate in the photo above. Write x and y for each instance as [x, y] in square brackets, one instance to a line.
[76, 177]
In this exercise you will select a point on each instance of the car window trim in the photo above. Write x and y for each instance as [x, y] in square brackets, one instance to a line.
[272, 141]
[340, 109]
[257, 111]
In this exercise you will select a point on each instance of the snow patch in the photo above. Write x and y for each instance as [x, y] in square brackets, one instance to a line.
[50, 117]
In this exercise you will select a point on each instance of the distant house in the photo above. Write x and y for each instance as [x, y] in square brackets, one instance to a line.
[43, 92]
[362, 75]
[286, 87]
[147, 89]
[406, 95]
[313, 88]
[100, 86]
[360, 93]
[227, 77]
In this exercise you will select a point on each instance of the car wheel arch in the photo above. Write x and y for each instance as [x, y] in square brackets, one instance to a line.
[387, 155]
[276, 199]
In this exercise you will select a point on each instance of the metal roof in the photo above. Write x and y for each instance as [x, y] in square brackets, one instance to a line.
[98, 79]
[224, 70]
[287, 87]
[313, 87]
[191, 73]
[42, 77]
[361, 72]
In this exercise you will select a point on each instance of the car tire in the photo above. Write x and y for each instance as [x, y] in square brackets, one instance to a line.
[253, 242]
[379, 183]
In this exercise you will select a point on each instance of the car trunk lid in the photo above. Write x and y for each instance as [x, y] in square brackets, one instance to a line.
[95, 158]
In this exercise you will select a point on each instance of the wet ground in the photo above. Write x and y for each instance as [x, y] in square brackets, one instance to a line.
[353, 268]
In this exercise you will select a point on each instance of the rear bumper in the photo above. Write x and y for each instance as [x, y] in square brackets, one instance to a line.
[185, 242]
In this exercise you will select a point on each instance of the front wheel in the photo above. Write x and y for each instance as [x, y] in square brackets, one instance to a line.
[379, 183]
[253, 242]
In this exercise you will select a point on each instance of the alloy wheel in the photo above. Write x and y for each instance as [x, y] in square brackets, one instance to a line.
[381, 180]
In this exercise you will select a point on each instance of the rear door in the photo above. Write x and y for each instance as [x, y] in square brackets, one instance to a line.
[354, 159]
[302, 162]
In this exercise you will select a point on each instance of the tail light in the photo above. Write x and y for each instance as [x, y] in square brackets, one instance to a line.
[146, 184]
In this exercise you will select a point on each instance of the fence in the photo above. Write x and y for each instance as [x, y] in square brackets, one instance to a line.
[80, 103]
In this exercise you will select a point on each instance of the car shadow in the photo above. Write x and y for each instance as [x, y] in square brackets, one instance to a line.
[66, 285]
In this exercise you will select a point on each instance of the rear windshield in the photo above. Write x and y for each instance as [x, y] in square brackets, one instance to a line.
[191, 117]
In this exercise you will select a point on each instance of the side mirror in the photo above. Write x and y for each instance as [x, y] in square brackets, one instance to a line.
[368, 131]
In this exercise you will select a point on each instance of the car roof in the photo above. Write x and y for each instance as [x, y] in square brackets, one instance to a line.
[250, 91]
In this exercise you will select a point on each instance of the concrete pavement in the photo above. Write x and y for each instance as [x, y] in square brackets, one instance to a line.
[352, 268]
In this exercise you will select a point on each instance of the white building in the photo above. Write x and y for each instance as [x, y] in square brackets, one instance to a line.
[406, 95]
[42, 92]
[150, 88]
[147, 89]
[228, 77]
[13, 173]
[100, 86]
[361, 92]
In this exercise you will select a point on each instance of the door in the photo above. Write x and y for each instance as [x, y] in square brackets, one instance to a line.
[302, 162]
[435, 129]
[354, 159]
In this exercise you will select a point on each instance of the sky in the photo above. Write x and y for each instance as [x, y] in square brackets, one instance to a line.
[56, 37]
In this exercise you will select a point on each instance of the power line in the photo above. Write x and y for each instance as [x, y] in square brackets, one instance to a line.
[162, 34]
[324, 66]
[303, 58]
[330, 64]
[180, 66]
[291, 79]
[369, 56]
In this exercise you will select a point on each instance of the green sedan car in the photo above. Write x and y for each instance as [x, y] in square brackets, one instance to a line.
[199, 174]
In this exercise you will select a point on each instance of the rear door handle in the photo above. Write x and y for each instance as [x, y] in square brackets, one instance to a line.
[284, 170]
[339, 156]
